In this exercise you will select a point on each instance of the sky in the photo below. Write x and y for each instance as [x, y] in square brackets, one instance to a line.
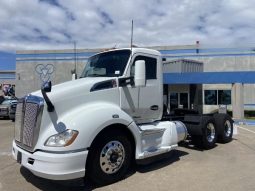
[56, 24]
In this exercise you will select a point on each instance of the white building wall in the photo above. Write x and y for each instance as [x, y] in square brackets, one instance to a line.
[229, 64]
[28, 79]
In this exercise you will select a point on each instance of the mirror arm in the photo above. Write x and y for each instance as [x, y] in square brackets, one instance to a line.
[48, 102]
[126, 81]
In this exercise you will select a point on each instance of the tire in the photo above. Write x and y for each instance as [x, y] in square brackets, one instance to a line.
[224, 124]
[196, 140]
[209, 134]
[109, 158]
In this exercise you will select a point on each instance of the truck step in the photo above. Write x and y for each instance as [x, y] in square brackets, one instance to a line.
[147, 154]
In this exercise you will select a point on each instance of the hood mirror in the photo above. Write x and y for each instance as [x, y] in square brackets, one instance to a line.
[46, 87]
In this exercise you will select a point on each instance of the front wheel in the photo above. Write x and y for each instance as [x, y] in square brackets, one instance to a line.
[109, 158]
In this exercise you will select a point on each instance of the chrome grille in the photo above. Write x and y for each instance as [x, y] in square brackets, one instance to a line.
[27, 121]
[18, 121]
[31, 110]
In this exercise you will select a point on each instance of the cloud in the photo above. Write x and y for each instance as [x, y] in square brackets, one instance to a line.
[56, 24]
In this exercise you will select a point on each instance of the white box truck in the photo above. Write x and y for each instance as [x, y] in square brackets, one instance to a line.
[102, 122]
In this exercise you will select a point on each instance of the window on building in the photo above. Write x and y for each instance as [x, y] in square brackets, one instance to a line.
[210, 97]
[224, 97]
[150, 67]
[174, 101]
[217, 97]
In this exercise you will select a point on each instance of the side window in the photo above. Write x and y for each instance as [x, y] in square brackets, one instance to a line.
[217, 97]
[150, 67]
[224, 97]
[210, 97]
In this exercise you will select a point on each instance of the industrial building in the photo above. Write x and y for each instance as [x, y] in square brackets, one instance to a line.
[195, 77]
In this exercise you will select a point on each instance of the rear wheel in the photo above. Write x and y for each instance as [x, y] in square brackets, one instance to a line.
[224, 125]
[109, 158]
[209, 136]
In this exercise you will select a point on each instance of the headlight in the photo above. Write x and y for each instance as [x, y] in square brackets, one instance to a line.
[62, 139]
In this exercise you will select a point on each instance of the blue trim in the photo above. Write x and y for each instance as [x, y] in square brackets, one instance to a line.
[7, 61]
[209, 78]
[7, 78]
[245, 122]
[207, 50]
[45, 59]
[209, 55]
[253, 105]
[7, 75]
[178, 51]
[250, 123]
[213, 50]
[43, 55]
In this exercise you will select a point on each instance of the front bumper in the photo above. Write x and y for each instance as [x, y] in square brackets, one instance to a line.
[54, 166]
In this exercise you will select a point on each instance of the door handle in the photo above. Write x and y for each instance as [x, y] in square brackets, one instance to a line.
[154, 107]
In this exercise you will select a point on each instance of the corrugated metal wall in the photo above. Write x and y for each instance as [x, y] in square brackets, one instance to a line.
[182, 66]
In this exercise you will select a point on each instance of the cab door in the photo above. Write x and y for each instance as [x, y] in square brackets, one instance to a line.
[144, 104]
[150, 98]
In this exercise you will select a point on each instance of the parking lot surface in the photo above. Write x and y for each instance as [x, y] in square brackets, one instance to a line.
[226, 167]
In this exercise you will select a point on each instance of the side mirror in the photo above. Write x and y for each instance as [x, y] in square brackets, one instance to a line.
[140, 73]
[46, 87]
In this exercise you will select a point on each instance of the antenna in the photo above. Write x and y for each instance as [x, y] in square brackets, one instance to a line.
[132, 27]
[75, 57]
[74, 72]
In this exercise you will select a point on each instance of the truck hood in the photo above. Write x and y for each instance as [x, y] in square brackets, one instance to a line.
[72, 95]
[72, 89]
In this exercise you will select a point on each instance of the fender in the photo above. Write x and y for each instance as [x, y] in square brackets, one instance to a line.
[89, 119]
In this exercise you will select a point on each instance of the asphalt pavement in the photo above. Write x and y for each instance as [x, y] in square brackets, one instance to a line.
[229, 167]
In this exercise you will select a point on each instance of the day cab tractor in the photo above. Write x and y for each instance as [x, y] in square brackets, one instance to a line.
[109, 117]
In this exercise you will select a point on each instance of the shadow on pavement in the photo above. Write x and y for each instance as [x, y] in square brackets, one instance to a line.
[48, 185]
[193, 144]
[190, 144]
[161, 161]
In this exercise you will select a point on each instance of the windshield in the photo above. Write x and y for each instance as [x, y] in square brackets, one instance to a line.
[108, 64]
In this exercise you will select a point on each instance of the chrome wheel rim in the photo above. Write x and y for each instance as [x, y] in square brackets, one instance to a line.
[227, 128]
[210, 132]
[112, 157]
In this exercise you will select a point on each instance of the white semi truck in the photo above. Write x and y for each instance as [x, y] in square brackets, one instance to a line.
[107, 119]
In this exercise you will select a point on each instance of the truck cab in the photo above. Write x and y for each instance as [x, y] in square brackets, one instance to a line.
[108, 118]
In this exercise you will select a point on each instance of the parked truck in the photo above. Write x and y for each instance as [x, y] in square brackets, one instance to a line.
[110, 117]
